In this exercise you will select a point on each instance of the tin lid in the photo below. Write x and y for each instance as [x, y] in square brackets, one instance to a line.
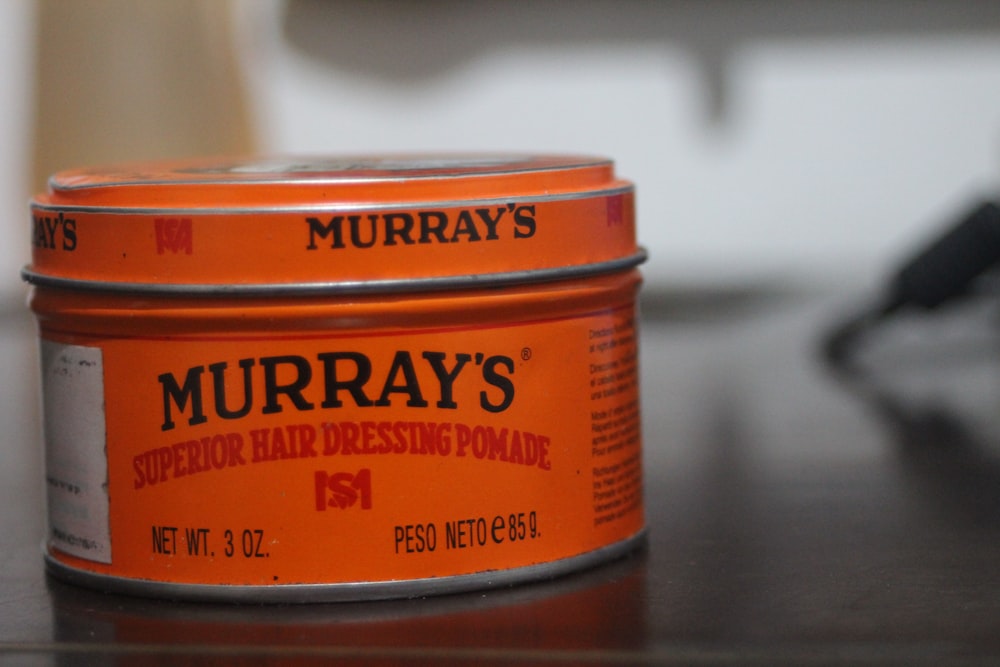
[355, 224]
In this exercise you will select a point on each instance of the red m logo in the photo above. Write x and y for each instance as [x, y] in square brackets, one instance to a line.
[173, 234]
[342, 489]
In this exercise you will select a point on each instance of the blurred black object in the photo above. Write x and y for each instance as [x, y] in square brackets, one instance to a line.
[943, 272]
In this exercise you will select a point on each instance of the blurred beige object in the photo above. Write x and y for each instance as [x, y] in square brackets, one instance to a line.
[126, 80]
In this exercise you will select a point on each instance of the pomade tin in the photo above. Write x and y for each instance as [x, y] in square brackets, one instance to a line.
[325, 379]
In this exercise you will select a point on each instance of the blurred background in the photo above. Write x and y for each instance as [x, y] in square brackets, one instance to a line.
[790, 142]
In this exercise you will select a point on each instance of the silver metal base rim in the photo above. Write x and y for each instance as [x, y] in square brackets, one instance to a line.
[342, 592]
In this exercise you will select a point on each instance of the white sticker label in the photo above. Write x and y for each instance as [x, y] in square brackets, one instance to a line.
[76, 460]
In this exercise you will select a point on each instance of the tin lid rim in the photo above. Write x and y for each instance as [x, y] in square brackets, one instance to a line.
[526, 164]
[341, 287]
[331, 207]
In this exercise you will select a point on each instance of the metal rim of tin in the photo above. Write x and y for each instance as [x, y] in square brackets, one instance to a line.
[354, 287]
[397, 170]
[343, 207]
[345, 592]
[186, 185]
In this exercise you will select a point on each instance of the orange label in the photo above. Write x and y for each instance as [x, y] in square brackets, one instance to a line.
[334, 457]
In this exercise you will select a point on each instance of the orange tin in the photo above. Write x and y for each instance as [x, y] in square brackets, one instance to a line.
[331, 379]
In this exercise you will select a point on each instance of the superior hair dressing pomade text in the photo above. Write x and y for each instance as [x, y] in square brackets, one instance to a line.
[334, 379]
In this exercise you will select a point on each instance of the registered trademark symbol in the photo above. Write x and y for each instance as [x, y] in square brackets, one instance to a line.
[525, 353]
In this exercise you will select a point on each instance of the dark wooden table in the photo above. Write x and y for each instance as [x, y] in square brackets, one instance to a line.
[796, 517]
